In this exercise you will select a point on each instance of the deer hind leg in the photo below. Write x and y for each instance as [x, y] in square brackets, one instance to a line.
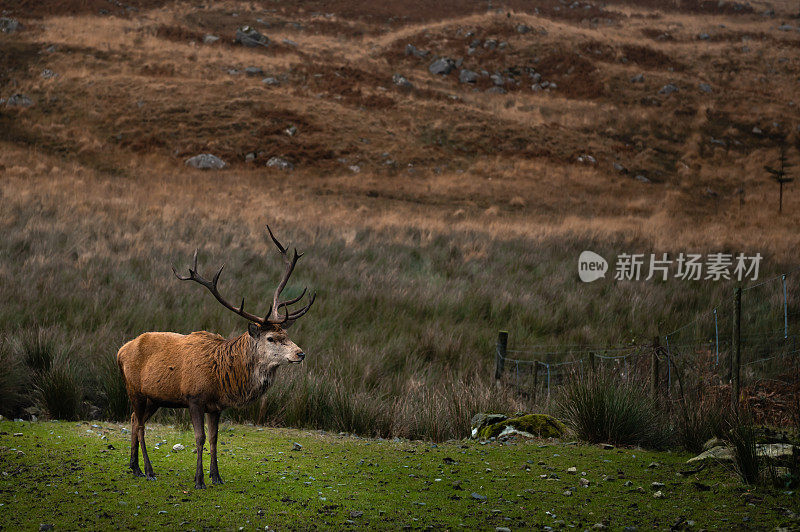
[146, 412]
[213, 427]
[196, 412]
[134, 463]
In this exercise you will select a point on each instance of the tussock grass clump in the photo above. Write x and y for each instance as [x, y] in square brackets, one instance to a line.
[111, 389]
[743, 438]
[59, 392]
[602, 408]
[42, 366]
[13, 381]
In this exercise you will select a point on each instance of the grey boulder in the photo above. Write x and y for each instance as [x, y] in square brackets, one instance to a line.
[206, 161]
[248, 36]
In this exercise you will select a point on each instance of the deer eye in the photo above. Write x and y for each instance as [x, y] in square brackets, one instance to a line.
[271, 339]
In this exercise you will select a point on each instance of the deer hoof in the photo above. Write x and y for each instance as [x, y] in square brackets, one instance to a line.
[199, 485]
[151, 476]
[217, 481]
[137, 472]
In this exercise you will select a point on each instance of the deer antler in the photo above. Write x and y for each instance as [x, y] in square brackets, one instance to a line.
[273, 315]
[212, 287]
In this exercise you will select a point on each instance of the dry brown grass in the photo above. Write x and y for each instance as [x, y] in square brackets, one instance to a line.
[98, 161]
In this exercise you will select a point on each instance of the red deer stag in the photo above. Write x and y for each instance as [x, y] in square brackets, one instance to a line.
[205, 372]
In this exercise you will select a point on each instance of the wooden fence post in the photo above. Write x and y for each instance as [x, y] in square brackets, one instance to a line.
[535, 378]
[654, 369]
[500, 358]
[591, 363]
[736, 348]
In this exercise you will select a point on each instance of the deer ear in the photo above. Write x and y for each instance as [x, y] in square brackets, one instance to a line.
[253, 330]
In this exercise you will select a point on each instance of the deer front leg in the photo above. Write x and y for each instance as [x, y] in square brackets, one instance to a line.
[213, 427]
[196, 412]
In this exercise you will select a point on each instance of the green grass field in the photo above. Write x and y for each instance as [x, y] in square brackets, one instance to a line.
[73, 475]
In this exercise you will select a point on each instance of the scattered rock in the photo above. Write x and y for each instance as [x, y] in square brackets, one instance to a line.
[490, 44]
[669, 88]
[296, 446]
[536, 77]
[467, 76]
[253, 71]
[498, 80]
[718, 142]
[713, 442]
[641, 178]
[19, 100]
[442, 66]
[280, 163]
[502, 529]
[356, 513]
[705, 87]
[178, 447]
[289, 42]
[496, 90]
[206, 161]
[523, 29]
[756, 130]
[210, 39]
[457, 485]
[567, 493]
[638, 78]
[622, 170]
[653, 465]
[10, 25]
[656, 486]
[572, 470]
[248, 36]
[704, 36]
[478, 496]
[46, 526]
[778, 452]
[584, 482]
[416, 52]
[785, 27]
[48, 74]
[606, 446]
[658, 495]
[402, 82]
[271, 81]
[588, 159]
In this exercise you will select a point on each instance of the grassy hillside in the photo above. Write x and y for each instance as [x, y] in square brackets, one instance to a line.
[431, 217]
[73, 475]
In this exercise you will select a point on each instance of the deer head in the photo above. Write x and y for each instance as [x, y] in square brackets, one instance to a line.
[272, 345]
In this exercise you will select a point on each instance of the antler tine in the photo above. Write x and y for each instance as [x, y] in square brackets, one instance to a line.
[212, 287]
[280, 247]
[294, 315]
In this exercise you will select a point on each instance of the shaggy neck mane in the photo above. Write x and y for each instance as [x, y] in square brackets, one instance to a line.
[233, 361]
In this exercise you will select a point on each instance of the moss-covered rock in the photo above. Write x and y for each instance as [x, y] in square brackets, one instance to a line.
[535, 425]
[480, 421]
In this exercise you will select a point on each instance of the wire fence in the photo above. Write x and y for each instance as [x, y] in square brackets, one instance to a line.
[757, 343]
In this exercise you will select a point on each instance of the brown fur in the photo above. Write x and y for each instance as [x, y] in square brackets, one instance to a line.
[176, 369]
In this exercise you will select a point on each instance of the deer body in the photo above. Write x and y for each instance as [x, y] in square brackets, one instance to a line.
[205, 372]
